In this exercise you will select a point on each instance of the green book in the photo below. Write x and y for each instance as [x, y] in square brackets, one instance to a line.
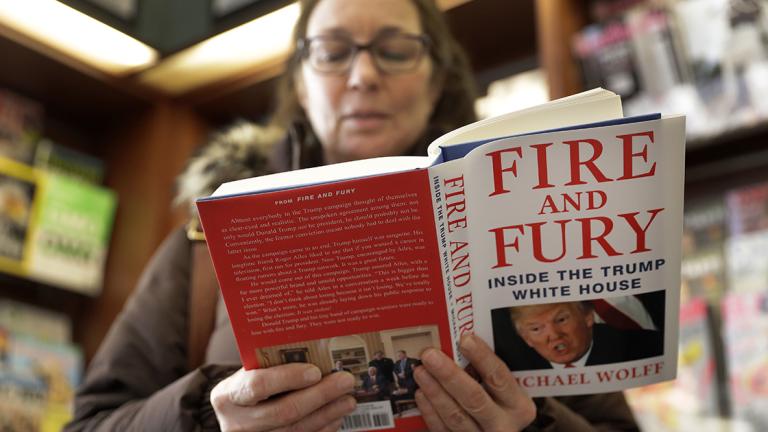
[70, 236]
[18, 190]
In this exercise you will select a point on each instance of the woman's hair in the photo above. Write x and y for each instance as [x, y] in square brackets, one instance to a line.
[454, 107]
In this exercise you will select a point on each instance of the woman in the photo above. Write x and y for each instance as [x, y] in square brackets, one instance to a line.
[369, 78]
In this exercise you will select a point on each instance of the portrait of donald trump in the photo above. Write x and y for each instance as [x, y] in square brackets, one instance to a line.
[567, 334]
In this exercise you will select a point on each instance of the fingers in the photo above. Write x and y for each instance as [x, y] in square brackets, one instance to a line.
[248, 387]
[428, 413]
[492, 370]
[327, 418]
[497, 378]
[295, 407]
[468, 393]
[499, 404]
[440, 411]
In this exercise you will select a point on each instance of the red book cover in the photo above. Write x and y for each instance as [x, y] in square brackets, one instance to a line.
[333, 272]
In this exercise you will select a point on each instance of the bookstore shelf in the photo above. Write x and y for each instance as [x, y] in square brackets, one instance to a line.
[656, 54]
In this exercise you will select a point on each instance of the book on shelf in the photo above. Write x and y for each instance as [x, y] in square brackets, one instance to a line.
[656, 50]
[37, 382]
[56, 158]
[18, 189]
[604, 53]
[542, 216]
[745, 326]
[747, 209]
[70, 237]
[20, 124]
[54, 228]
[695, 393]
[36, 322]
[747, 215]
[697, 357]
[703, 263]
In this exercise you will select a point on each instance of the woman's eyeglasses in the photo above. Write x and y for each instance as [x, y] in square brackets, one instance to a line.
[391, 53]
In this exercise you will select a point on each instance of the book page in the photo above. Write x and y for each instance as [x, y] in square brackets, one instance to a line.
[335, 273]
[323, 174]
[587, 107]
[576, 239]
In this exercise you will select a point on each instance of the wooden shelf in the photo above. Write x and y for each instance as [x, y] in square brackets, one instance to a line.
[68, 93]
[144, 140]
[732, 159]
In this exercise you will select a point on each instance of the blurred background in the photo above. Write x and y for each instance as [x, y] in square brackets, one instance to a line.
[102, 102]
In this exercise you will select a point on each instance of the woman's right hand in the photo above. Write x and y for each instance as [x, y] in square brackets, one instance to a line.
[311, 403]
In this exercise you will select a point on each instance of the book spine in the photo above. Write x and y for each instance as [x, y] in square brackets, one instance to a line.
[451, 222]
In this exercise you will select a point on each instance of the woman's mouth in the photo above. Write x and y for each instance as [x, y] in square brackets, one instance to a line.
[365, 120]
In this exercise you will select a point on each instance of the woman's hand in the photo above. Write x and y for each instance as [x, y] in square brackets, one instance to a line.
[311, 404]
[451, 400]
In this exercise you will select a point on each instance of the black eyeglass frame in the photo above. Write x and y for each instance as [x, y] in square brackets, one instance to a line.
[304, 44]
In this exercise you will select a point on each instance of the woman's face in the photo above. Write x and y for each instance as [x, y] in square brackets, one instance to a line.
[365, 113]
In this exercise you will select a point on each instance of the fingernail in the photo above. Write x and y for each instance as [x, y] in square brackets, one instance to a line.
[346, 381]
[419, 395]
[431, 357]
[350, 404]
[496, 379]
[468, 343]
[419, 372]
[312, 374]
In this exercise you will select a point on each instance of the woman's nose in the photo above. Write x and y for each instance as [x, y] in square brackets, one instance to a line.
[363, 73]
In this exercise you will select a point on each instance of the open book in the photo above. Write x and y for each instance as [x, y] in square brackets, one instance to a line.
[553, 233]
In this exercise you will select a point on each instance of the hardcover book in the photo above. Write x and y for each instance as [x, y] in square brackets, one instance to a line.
[70, 238]
[745, 326]
[704, 238]
[747, 216]
[20, 122]
[54, 228]
[35, 322]
[58, 159]
[553, 233]
[694, 393]
[18, 189]
[37, 382]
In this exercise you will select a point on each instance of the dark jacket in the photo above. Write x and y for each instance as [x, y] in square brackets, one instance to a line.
[404, 374]
[384, 367]
[612, 345]
[139, 379]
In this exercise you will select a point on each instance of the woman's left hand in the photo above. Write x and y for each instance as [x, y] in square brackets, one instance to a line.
[451, 400]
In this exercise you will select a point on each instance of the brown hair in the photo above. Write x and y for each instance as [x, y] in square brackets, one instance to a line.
[454, 107]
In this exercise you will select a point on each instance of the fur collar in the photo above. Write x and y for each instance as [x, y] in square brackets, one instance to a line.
[240, 151]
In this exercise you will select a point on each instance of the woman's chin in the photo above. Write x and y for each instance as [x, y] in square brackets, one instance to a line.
[366, 147]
